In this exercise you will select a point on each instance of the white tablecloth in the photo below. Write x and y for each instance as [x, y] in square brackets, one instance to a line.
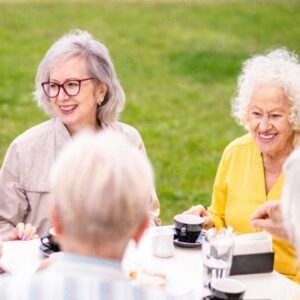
[184, 273]
[183, 270]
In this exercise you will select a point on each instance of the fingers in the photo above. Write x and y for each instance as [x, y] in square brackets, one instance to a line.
[268, 217]
[14, 235]
[20, 230]
[271, 227]
[29, 232]
[262, 212]
[261, 224]
[208, 222]
[198, 210]
[24, 232]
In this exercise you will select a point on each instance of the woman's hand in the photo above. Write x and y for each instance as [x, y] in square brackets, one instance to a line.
[199, 210]
[23, 232]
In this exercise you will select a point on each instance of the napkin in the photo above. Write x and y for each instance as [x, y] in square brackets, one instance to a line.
[253, 243]
[20, 256]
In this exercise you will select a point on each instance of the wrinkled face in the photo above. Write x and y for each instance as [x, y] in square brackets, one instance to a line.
[78, 111]
[268, 120]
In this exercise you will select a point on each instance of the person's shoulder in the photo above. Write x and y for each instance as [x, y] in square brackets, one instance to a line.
[35, 133]
[244, 141]
[239, 147]
[125, 128]
[129, 131]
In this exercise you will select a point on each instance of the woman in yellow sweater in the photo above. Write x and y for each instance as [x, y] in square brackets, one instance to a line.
[267, 104]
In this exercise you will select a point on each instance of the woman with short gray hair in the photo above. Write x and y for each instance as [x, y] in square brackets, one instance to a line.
[99, 66]
[76, 84]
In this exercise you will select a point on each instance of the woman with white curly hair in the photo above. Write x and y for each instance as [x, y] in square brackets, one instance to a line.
[250, 173]
[77, 85]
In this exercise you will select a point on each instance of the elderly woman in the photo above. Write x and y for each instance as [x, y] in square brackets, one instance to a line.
[250, 171]
[101, 185]
[77, 85]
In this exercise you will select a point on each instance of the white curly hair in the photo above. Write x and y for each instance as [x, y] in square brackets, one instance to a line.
[278, 66]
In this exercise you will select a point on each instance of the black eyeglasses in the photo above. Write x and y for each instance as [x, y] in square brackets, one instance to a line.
[71, 87]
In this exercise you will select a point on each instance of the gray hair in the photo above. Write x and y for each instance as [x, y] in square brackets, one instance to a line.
[101, 184]
[81, 43]
[290, 202]
[278, 66]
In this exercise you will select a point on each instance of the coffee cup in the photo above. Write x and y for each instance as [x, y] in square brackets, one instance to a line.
[50, 241]
[188, 227]
[227, 288]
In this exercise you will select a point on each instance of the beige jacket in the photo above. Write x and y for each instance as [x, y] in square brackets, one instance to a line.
[24, 187]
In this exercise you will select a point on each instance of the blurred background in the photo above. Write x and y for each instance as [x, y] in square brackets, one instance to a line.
[178, 62]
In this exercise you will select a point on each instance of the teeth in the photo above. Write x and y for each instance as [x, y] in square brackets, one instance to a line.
[67, 107]
[266, 136]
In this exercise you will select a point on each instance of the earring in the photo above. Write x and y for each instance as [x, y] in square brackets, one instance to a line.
[99, 102]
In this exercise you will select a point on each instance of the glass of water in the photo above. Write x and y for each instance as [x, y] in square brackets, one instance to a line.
[217, 252]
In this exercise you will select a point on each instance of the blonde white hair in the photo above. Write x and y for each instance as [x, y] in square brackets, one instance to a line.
[278, 66]
[102, 185]
[96, 56]
[290, 201]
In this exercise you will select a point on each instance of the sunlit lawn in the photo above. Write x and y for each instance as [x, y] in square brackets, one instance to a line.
[178, 63]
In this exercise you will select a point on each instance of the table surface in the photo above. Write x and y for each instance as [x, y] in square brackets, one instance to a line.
[184, 273]
[183, 270]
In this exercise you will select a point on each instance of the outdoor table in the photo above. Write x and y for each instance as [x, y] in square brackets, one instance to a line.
[183, 270]
[184, 273]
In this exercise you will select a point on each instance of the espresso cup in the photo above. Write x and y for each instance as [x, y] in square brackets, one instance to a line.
[227, 288]
[50, 241]
[188, 227]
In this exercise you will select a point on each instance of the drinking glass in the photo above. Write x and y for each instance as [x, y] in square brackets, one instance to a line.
[217, 252]
[162, 242]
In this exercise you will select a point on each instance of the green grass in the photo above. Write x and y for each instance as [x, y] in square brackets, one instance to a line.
[178, 63]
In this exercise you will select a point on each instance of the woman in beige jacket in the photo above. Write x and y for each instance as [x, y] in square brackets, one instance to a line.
[76, 84]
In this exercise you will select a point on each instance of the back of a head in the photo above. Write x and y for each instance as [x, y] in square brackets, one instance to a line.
[102, 187]
[291, 198]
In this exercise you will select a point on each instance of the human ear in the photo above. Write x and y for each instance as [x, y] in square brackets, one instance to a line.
[55, 220]
[101, 91]
[144, 224]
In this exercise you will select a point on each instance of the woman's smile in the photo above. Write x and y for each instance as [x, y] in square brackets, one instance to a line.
[68, 109]
[267, 138]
